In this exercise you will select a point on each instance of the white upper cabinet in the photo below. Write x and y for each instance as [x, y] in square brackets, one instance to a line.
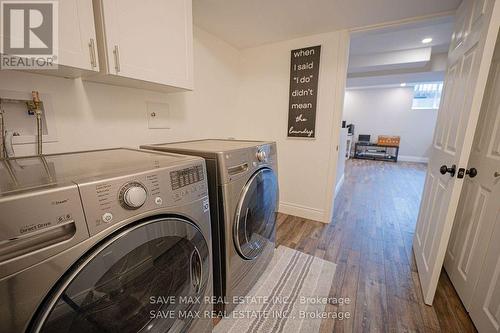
[76, 49]
[146, 44]
[77, 38]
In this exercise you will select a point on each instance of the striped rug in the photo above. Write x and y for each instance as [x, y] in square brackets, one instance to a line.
[284, 297]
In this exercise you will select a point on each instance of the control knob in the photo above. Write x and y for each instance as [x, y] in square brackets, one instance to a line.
[261, 155]
[133, 195]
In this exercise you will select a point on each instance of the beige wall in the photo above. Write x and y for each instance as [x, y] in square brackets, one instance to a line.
[305, 165]
[387, 111]
[91, 115]
[238, 93]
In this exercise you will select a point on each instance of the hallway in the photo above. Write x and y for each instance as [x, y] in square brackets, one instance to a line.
[370, 240]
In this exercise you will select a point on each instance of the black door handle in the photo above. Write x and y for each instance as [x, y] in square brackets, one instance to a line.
[472, 172]
[444, 169]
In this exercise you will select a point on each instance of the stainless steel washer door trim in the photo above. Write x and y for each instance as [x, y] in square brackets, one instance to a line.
[238, 213]
[91, 254]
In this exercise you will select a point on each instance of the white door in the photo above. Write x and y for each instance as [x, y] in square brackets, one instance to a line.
[485, 308]
[481, 287]
[150, 40]
[77, 48]
[480, 199]
[469, 60]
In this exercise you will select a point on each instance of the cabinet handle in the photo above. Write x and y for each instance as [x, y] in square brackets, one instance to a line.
[93, 60]
[117, 58]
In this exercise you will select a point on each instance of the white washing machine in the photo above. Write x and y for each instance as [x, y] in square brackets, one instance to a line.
[104, 241]
[243, 184]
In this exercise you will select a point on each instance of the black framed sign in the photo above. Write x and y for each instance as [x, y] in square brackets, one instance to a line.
[304, 71]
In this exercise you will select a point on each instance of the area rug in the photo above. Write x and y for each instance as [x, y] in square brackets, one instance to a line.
[290, 295]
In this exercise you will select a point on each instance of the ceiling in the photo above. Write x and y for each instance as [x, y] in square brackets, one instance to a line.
[395, 55]
[248, 23]
[405, 37]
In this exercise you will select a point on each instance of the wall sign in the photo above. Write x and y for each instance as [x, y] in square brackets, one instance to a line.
[304, 71]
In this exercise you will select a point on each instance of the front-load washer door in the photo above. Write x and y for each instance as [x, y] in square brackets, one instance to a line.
[255, 218]
[134, 282]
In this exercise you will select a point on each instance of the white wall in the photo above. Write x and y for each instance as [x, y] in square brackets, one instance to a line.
[240, 94]
[387, 111]
[305, 166]
[92, 115]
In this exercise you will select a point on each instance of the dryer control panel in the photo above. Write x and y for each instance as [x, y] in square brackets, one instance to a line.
[112, 201]
[238, 163]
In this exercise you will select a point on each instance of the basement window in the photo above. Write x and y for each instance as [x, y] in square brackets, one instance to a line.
[427, 95]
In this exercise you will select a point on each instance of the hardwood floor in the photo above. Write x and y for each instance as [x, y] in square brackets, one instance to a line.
[370, 240]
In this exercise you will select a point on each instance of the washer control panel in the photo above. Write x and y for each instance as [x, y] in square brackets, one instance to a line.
[111, 201]
[187, 176]
[187, 181]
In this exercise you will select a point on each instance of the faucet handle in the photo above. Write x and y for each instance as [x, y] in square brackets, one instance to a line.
[36, 105]
[36, 96]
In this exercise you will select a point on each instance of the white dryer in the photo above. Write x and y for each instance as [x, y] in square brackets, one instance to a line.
[243, 185]
[104, 241]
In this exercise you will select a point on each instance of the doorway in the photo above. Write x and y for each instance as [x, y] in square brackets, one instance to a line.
[393, 93]
[469, 213]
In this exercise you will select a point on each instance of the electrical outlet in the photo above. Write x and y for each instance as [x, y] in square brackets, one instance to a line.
[158, 115]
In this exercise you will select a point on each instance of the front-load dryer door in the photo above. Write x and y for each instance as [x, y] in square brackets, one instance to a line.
[255, 219]
[134, 282]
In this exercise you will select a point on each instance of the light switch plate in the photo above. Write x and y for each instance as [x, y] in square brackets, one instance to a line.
[158, 115]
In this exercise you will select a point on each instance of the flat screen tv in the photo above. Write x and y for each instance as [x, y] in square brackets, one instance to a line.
[364, 138]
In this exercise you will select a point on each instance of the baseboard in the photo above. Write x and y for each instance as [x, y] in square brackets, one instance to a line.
[409, 158]
[302, 211]
[339, 185]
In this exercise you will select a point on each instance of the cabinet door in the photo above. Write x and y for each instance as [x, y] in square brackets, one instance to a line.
[150, 40]
[77, 48]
